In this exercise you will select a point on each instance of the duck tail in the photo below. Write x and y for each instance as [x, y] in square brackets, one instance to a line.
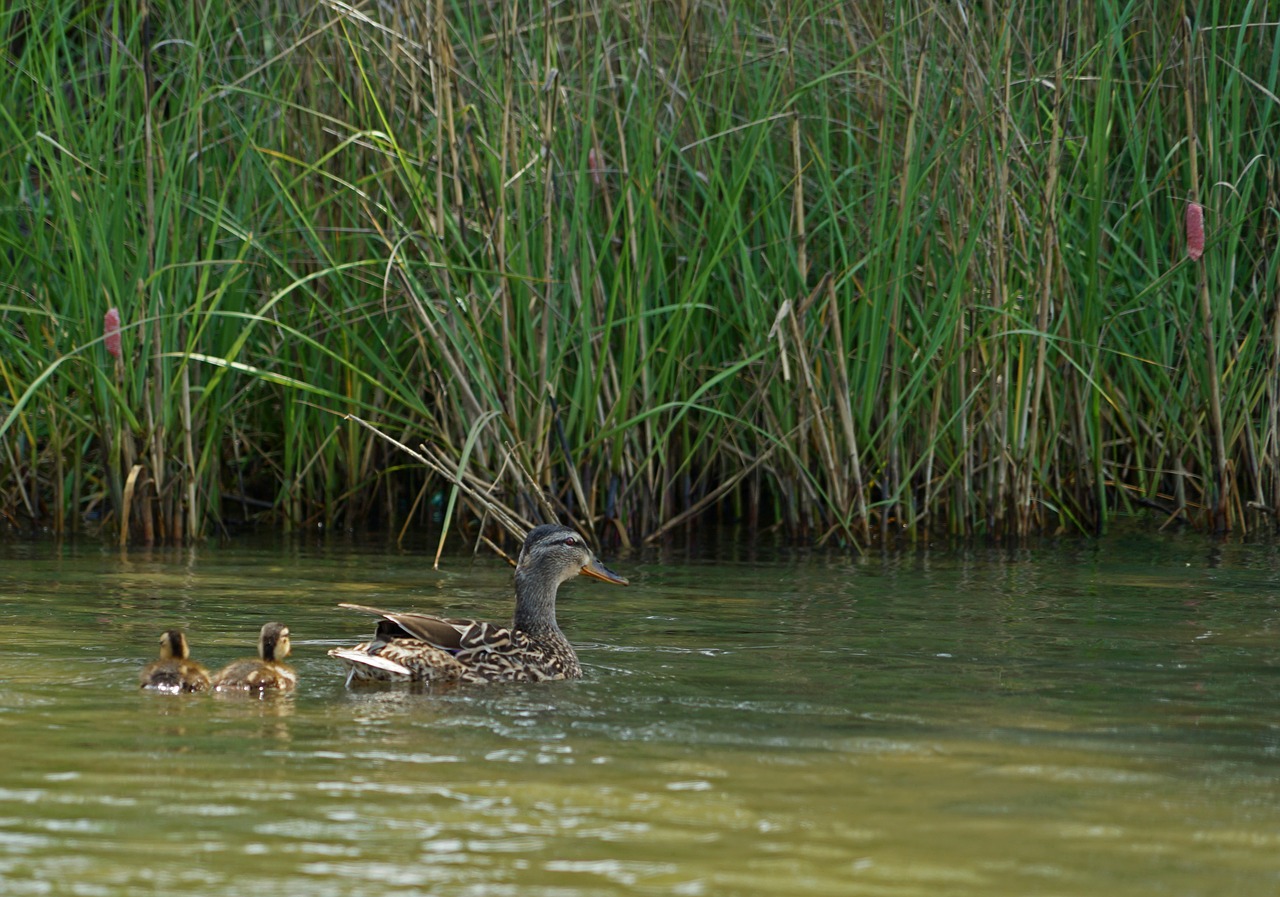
[362, 659]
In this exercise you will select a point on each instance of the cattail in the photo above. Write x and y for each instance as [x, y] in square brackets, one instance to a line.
[1195, 231]
[111, 331]
[595, 166]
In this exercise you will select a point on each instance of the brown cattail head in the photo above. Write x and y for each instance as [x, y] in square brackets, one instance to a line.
[111, 331]
[595, 166]
[1195, 231]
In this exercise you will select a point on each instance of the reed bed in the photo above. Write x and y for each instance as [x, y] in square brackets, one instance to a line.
[855, 271]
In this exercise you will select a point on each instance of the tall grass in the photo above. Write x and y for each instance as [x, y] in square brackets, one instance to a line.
[855, 271]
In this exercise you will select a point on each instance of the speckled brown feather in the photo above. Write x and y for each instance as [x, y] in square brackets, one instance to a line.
[486, 653]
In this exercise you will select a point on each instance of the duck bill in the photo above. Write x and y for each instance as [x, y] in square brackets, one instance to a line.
[597, 570]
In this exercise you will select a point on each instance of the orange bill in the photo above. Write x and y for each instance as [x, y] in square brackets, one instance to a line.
[598, 570]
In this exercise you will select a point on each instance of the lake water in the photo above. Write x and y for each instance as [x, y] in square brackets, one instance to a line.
[1076, 719]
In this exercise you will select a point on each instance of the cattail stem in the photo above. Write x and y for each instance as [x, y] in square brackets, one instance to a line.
[1219, 504]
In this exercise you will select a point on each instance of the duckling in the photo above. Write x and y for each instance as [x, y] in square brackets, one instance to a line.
[420, 647]
[174, 672]
[264, 671]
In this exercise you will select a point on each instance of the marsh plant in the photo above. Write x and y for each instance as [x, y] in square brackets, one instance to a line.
[854, 270]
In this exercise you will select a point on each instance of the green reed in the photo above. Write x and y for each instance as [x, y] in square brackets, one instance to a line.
[859, 272]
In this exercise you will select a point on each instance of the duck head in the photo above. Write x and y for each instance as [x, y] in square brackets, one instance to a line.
[557, 553]
[173, 645]
[273, 642]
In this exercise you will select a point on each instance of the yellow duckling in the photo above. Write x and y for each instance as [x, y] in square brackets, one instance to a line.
[264, 671]
[174, 672]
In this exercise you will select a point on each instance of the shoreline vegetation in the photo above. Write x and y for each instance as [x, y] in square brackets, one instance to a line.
[856, 271]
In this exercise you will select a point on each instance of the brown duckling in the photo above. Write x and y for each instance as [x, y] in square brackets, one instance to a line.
[174, 672]
[264, 671]
[424, 648]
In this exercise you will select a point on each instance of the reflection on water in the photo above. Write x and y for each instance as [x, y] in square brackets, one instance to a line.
[1081, 719]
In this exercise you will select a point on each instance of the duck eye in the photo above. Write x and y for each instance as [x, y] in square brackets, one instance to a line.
[571, 541]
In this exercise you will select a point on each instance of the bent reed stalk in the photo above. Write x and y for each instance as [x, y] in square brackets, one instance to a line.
[852, 271]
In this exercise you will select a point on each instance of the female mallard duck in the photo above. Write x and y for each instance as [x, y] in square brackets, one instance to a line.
[175, 671]
[264, 671]
[418, 647]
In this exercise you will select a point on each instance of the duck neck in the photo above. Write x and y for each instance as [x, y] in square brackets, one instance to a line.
[536, 604]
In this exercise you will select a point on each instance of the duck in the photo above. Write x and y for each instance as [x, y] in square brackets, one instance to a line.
[175, 672]
[266, 671]
[415, 647]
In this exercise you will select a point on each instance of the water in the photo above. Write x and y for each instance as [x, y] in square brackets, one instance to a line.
[1072, 720]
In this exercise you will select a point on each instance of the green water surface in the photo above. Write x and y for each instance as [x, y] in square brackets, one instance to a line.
[1080, 719]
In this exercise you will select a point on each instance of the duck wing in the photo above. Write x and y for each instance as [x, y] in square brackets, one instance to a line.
[438, 631]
